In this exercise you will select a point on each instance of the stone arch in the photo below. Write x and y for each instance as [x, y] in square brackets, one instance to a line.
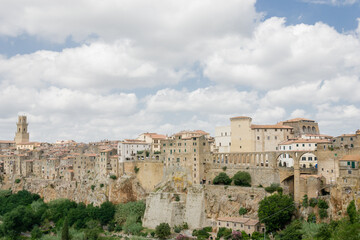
[308, 129]
[313, 129]
[285, 159]
[304, 129]
[309, 163]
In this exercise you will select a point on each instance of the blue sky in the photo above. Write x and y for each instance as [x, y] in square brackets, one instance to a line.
[89, 71]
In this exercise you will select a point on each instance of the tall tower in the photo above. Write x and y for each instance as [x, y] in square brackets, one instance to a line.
[21, 135]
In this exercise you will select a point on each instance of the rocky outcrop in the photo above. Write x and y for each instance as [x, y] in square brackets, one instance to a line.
[90, 189]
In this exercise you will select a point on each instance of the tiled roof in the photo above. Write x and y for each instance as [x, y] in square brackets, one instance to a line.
[351, 158]
[299, 119]
[276, 126]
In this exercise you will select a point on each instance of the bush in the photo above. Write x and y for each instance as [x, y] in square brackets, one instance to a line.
[17, 180]
[222, 178]
[185, 225]
[224, 233]
[242, 211]
[124, 211]
[313, 202]
[322, 204]
[152, 234]
[101, 185]
[136, 169]
[93, 187]
[292, 231]
[118, 228]
[242, 179]
[305, 201]
[163, 230]
[311, 218]
[177, 229]
[323, 213]
[224, 168]
[113, 177]
[351, 211]
[36, 233]
[274, 187]
[177, 197]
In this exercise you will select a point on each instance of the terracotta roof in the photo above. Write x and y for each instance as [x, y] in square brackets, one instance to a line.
[348, 135]
[6, 141]
[276, 126]
[240, 117]
[298, 120]
[351, 158]
[242, 220]
[318, 135]
[132, 141]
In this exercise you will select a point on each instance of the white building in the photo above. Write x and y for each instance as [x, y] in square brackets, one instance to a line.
[128, 148]
[308, 160]
[223, 139]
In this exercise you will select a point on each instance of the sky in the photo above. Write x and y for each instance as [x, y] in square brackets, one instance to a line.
[90, 70]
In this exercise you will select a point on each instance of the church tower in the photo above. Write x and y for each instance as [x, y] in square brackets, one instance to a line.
[21, 135]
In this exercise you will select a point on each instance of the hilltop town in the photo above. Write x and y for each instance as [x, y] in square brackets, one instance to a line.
[175, 174]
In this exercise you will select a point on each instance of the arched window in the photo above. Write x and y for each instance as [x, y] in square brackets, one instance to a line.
[313, 130]
[304, 129]
[309, 129]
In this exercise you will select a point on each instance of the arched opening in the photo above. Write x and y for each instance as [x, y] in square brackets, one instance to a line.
[308, 160]
[304, 129]
[309, 129]
[285, 160]
[288, 184]
[313, 129]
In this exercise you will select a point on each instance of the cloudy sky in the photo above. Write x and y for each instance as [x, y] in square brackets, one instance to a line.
[89, 70]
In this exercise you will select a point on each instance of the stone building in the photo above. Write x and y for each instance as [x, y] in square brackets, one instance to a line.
[347, 141]
[223, 139]
[103, 161]
[21, 135]
[349, 170]
[302, 126]
[188, 152]
[245, 224]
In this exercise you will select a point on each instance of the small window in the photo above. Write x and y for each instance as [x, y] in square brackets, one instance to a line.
[258, 138]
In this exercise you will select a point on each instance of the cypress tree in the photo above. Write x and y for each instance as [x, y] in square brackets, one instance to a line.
[65, 230]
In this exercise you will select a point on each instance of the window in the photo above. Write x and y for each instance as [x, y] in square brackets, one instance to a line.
[303, 145]
[194, 149]
[268, 138]
[351, 139]
[258, 138]
[303, 158]
[297, 145]
[342, 139]
[275, 137]
[309, 158]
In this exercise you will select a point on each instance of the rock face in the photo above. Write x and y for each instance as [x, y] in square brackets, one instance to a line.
[200, 205]
[89, 190]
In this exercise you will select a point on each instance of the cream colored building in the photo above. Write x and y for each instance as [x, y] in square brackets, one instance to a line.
[247, 225]
[154, 139]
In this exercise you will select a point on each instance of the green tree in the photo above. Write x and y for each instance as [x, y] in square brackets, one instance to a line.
[163, 230]
[36, 233]
[65, 230]
[305, 201]
[19, 220]
[274, 187]
[276, 211]
[222, 178]
[351, 211]
[292, 231]
[106, 212]
[242, 179]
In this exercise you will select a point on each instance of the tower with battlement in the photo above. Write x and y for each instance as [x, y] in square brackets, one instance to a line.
[21, 135]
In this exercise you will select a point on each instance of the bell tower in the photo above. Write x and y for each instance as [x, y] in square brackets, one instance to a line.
[21, 135]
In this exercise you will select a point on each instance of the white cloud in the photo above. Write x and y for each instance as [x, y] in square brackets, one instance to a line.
[156, 21]
[278, 55]
[98, 66]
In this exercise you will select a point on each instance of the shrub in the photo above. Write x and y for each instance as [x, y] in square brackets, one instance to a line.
[92, 187]
[305, 201]
[17, 180]
[313, 202]
[162, 230]
[185, 225]
[136, 169]
[224, 168]
[118, 228]
[157, 152]
[351, 211]
[323, 213]
[322, 204]
[177, 197]
[101, 185]
[242, 211]
[113, 177]
[152, 234]
[274, 187]
[178, 228]
[242, 179]
[36, 233]
[224, 232]
[311, 218]
[222, 178]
